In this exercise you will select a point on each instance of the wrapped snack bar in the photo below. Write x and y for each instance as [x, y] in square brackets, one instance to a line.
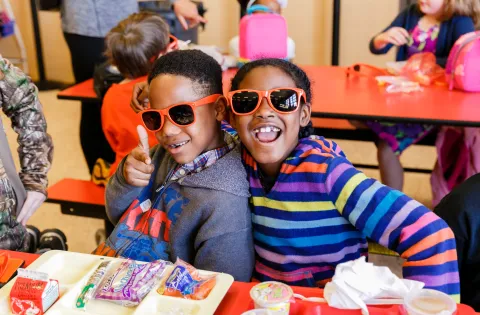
[91, 286]
[128, 282]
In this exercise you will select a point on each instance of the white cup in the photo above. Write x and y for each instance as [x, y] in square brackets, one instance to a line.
[273, 296]
[429, 302]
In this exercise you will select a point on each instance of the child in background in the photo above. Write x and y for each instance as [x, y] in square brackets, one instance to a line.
[429, 26]
[276, 6]
[312, 210]
[188, 196]
[132, 47]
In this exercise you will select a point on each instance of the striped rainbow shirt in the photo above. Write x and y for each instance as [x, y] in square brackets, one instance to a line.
[321, 211]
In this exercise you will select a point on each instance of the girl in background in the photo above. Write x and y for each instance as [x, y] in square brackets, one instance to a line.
[429, 26]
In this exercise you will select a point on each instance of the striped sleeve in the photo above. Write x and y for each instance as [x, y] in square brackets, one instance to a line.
[398, 222]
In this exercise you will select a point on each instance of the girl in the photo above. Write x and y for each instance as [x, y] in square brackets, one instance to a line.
[429, 26]
[311, 208]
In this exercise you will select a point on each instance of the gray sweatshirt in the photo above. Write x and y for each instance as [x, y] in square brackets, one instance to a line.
[209, 220]
[94, 18]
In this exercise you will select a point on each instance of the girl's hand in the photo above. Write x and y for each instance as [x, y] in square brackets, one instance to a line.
[397, 36]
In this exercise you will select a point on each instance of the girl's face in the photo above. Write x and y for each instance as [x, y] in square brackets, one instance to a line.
[270, 149]
[432, 7]
[186, 143]
[272, 4]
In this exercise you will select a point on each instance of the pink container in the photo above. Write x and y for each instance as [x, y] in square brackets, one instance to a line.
[463, 65]
[263, 36]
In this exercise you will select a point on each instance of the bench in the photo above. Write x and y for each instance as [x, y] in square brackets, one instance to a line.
[331, 128]
[80, 198]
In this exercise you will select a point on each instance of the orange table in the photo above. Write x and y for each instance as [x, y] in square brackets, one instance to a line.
[237, 300]
[80, 92]
[336, 96]
[26, 257]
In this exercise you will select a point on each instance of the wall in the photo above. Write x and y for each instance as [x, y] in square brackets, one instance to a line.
[360, 20]
[309, 21]
[56, 55]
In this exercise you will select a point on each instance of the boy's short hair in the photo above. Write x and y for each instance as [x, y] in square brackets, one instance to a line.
[192, 64]
[134, 44]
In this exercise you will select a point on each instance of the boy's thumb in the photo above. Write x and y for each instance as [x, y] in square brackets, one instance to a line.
[143, 139]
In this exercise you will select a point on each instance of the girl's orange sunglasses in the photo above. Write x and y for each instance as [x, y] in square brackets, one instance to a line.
[281, 100]
[181, 115]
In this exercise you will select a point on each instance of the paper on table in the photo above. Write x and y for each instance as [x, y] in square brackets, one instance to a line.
[356, 282]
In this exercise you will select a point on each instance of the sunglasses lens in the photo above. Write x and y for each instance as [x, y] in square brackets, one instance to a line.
[182, 114]
[244, 102]
[152, 120]
[285, 100]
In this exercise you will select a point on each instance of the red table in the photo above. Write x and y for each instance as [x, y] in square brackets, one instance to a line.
[79, 92]
[237, 300]
[336, 96]
[27, 257]
[356, 97]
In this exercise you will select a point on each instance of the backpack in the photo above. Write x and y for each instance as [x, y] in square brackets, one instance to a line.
[262, 35]
[458, 151]
[463, 65]
[104, 76]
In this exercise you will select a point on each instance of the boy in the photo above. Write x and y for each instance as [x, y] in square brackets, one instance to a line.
[188, 196]
[132, 47]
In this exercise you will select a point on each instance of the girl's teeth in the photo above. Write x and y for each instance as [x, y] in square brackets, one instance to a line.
[266, 129]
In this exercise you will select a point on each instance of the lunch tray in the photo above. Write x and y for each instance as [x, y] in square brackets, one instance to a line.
[72, 271]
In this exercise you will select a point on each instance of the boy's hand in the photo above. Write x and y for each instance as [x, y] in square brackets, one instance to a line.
[139, 99]
[397, 36]
[138, 167]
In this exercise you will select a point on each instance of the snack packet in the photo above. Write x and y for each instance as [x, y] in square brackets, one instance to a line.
[128, 282]
[185, 281]
[423, 68]
[91, 286]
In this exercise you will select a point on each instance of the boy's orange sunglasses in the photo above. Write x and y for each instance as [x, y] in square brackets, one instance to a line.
[181, 115]
[281, 100]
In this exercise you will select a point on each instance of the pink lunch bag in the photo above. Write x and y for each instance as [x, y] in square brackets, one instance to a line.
[263, 36]
[463, 65]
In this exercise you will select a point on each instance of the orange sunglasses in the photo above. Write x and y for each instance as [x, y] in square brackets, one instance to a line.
[181, 115]
[281, 100]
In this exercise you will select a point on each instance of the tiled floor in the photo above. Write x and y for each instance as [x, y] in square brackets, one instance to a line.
[63, 125]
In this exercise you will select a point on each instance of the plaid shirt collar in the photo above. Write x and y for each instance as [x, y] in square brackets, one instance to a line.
[206, 159]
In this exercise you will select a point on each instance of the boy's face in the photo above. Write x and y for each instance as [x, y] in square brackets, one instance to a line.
[203, 135]
[270, 150]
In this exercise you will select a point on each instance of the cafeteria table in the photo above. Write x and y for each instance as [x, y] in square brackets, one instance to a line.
[237, 300]
[360, 98]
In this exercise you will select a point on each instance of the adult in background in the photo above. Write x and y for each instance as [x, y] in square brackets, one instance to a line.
[85, 24]
[22, 194]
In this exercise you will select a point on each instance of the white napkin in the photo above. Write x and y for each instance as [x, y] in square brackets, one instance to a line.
[356, 282]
